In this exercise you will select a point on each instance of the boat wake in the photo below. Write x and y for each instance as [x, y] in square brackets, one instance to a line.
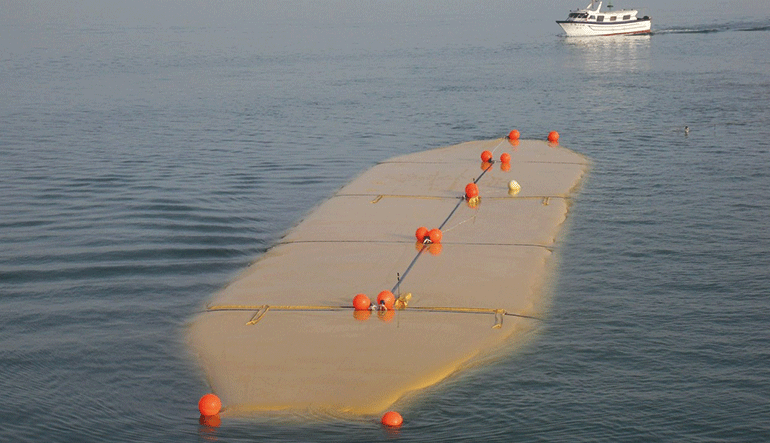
[712, 28]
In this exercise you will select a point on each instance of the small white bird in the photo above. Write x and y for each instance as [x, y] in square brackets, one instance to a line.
[686, 130]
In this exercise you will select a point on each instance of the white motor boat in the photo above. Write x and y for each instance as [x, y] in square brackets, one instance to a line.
[593, 21]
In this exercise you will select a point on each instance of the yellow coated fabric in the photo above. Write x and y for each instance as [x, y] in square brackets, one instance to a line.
[284, 336]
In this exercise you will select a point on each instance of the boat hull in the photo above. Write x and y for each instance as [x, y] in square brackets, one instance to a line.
[583, 29]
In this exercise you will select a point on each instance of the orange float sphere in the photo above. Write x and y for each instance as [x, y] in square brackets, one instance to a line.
[505, 167]
[361, 302]
[435, 248]
[392, 419]
[435, 235]
[505, 157]
[553, 136]
[421, 233]
[471, 190]
[387, 299]
[513, 135]
[486, 156]
[209, 405]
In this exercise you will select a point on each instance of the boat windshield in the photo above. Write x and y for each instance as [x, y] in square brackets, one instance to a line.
[578, 15]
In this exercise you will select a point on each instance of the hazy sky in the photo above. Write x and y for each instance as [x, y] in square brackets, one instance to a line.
[274, 26]
[216, 13]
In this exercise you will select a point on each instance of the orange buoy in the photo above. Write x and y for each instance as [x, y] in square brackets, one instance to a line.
[486, 156]
[435, 248]
[471, 190]
[435, 235]
[553, 137]
[387, 299]
[505, 157]
[421, 233]
[392, 419]
[361, 302]
[513, 135]
[209, 405]
[505, 167]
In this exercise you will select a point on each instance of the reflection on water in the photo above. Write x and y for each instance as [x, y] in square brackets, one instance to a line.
[619, 53]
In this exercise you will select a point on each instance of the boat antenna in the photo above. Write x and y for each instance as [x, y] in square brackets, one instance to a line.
[609, 5]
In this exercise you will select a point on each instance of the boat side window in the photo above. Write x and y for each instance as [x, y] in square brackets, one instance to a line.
[600, 18]
[593, 17]
[626, 17]
[613, 18]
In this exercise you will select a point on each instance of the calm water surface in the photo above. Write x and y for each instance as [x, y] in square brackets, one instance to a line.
[148, 157]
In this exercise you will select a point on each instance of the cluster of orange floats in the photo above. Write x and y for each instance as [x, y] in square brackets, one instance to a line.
[209, 405]
[363, 306]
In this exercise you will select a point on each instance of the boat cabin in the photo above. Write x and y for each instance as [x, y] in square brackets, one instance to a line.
[597, 15]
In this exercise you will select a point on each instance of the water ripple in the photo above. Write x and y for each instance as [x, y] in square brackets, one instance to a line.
[144, 165]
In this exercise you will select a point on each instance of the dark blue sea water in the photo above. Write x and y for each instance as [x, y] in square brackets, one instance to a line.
[149, 151]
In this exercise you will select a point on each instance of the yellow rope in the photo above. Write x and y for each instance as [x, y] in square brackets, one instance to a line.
[544, 199]
[275, 308]
[381, 196]
[401, 304]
